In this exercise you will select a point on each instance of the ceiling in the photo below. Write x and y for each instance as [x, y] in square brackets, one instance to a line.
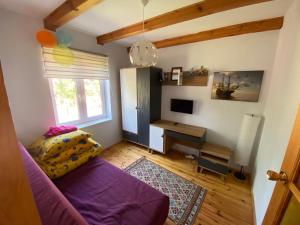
[33, 8]
[114, 14]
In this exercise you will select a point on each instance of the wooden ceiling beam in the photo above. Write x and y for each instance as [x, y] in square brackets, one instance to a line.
[238, 29]
[67, 11]
[186, 13]
[234, 30]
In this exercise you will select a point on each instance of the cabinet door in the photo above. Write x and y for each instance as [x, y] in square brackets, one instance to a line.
[156, 138]
[155, 93]
[143, 87]
[129, 99]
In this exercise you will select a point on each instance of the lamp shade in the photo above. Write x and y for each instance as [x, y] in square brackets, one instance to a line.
[143, 53]
[246, 139]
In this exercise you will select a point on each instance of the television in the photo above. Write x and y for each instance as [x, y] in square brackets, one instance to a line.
[182, 106]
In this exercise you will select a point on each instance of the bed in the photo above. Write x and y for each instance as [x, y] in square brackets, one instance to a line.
[97, 193]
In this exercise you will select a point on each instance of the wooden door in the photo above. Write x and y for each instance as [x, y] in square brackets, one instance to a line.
[17, 205]
[128, 85]
[143, 94]
[284, 207]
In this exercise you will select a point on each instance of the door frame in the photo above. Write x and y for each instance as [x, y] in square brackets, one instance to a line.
[17, 204]
[291, 166]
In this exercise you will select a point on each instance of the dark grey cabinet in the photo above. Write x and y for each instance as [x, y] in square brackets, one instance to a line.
[141, 102]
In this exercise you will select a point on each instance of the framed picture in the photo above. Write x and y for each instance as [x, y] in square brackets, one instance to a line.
[176, 72]
[237, 85]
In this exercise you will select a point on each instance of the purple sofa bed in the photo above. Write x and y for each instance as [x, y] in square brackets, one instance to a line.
[97, 193]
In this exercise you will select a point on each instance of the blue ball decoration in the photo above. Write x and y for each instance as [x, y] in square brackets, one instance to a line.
[64, 39]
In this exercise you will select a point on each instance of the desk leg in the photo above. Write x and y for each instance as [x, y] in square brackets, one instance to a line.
[167, 143]
[200, 169]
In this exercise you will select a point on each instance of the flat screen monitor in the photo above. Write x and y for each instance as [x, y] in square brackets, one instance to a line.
[182, 106]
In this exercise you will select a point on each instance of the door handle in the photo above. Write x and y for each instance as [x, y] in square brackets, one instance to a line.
[137, 108]
[274, 176]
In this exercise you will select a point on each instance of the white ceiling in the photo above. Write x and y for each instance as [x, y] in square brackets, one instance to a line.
[113, 14]
[33, 8]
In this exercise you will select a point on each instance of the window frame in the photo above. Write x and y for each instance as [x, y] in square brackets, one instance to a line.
[81, 102]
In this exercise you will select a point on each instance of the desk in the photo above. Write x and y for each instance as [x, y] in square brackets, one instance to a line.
[164, 133]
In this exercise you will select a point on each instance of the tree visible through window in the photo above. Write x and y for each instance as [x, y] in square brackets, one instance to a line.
[93, 97]
[65, 99]
[78, 100]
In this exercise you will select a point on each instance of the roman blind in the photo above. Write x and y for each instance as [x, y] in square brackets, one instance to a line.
[74, 64]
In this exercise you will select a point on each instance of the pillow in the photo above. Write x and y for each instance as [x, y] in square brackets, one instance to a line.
[82, 147]
[55, 131]
[59, 169]
[45, 148]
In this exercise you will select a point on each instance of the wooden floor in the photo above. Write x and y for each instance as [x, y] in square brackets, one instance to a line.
[226, 202]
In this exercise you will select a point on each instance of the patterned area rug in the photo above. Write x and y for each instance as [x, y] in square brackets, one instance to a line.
[185, 197]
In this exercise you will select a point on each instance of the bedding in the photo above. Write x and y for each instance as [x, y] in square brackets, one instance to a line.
[104, 194]
[55, 169]
[58, 130]
[45, 148]
[76, 149]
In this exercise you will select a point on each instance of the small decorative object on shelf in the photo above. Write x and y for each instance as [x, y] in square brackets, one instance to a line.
[202, 71]
[194, 77]
[180, 77]
[176, 71]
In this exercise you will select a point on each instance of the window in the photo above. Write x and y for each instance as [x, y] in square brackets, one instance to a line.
[80, 91]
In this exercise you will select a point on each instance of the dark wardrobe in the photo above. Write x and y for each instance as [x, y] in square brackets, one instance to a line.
[141, 102]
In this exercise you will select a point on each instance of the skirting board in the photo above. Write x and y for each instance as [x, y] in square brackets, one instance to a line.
[253, 208]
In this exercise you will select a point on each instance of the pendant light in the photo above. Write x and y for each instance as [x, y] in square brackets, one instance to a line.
[143, 53]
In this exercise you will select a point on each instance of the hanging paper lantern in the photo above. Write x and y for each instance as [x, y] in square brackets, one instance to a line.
[143, 53]
[46, 38]
[63, 38]
[63, 55]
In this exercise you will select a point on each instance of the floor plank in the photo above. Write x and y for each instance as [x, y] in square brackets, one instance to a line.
[227, 202]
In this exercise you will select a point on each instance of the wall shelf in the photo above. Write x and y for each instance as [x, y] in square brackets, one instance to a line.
[187, 80]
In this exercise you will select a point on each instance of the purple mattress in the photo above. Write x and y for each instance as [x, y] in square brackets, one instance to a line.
[106, 195]
[53, 207]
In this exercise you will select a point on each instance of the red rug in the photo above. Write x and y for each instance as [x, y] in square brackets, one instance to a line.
[185, 196]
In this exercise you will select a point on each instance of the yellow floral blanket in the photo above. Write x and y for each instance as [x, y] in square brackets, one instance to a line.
[70, 159]
[45, 148]
[60, 154]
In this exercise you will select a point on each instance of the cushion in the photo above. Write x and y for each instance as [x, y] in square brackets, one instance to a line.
[58, 130]
[58, 169]
[80, 148]
[53, 207]
[45, 148]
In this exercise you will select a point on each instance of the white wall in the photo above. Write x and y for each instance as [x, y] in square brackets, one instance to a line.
[28, 91]
[221, 118]
[283, 101]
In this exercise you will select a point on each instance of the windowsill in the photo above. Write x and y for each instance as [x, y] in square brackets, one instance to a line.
[92, 123]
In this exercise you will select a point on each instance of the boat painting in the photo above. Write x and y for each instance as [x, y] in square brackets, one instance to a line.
[237, 85]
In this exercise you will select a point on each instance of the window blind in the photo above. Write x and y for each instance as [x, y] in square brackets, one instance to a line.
[74, 64]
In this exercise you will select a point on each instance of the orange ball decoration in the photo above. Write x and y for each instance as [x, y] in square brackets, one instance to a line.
[46, 38]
